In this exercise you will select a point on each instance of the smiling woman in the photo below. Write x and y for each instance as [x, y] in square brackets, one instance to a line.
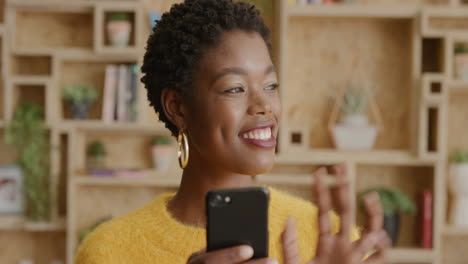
[211, 80]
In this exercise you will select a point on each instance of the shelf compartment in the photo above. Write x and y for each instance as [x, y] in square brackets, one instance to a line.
[42, 247]
[409, 179]
[331, 67]
[85, 72]
[8, 154]
[28, 89]
[31, 65]
[453, 249]
[457, 121]
[433, 55]
[102, 13]
[137, 154]
[53, 30]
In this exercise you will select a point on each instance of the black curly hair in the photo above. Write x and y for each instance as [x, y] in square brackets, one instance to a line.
[182, 36]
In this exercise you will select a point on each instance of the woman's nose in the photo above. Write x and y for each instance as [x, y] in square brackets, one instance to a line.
[259, 104]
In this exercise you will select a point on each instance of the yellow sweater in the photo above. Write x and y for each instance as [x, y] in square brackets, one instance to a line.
[151, 235]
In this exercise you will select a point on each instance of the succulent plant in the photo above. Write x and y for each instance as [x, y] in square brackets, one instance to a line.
[392, 200]
[79, 93]
[459, 156]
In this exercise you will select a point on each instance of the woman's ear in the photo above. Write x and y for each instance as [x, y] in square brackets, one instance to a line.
[173, 107]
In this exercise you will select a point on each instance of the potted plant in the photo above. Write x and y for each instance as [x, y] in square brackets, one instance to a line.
[393, 203]
[459, 187]
[163, 153]
[461, 62]
[96, 155]
[119, 29]
[80, 97]
[27, 133]
[353, 132]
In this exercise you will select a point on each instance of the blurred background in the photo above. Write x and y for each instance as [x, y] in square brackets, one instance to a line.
[380, 86]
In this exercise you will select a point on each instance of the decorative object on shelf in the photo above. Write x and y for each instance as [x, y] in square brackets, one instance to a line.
[458, 184]
[119, 28]
[83, 233]
[393, 203]
[11, 186]
[80, 97]
[96, 156]
[163, 153]
[154, 17]
[28, 134]
[354, 132]
[461, 62]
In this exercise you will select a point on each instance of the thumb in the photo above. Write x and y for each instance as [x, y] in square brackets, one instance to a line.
[289, 241]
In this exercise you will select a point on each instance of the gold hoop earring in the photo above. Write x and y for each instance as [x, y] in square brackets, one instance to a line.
[183, 152]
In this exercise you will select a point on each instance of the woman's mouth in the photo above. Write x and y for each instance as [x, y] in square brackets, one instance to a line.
[260, 137]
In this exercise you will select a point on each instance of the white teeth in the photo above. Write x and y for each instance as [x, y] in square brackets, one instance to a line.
[259, 134]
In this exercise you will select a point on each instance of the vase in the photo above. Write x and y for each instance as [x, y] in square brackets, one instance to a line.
[354, 133]
[459, 187]
[163, 156]
[80, 111]
[461, 66]
[392, 226]
[119, 32]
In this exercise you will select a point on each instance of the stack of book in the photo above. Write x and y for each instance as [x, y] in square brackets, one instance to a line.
[120, 93]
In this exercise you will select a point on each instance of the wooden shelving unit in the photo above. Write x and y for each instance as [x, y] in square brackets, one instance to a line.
[406, 47]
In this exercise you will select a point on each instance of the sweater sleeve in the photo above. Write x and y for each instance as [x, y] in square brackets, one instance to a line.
[96, 248]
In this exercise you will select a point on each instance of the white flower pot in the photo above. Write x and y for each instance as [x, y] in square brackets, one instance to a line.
[459, 188]
[119, 32]
[163, 156]
[354, 133]
[461, 66]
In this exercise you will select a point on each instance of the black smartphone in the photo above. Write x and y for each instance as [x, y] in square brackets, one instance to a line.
[238, 217]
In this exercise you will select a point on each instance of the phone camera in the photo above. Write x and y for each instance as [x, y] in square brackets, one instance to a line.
[227, 199]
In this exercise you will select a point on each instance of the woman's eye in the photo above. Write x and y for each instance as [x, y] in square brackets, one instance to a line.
[272, 87]
[234, 90]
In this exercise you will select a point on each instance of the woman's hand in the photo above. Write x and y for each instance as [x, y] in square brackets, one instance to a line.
[338, 248]
[234, 255]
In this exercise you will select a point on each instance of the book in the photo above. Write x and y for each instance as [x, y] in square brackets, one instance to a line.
[122, 94]
[425, 216]
[110, 86]
[133, 86]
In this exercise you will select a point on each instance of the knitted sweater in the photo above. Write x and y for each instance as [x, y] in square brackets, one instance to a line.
[151, 235]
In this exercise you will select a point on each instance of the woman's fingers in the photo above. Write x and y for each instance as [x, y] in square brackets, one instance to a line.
[322, 197]
[374, 212]
[369, 243]
[262, 261]
[344, 206]
[232, 255]
[289, 240]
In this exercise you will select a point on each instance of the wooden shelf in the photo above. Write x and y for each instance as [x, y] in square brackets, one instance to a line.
[152, 180]
[458, 85]
[115, 127]
[30, 80]
[360, 11]
[455, 231]
[378, 157]
[291, 179]
[18, 222]
[403, 255]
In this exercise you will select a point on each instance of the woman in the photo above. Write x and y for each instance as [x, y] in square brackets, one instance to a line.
[210, 78]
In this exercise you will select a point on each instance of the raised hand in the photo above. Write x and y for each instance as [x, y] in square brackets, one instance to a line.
[338, 248]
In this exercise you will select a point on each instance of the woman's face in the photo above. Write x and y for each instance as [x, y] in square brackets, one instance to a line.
[232, 117]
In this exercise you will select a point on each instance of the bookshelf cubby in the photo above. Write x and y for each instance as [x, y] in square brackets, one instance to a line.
[31, 65]
[409, 179]
[53, 30]
[404, 51]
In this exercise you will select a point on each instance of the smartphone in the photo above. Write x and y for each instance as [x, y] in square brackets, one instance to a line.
[238, 217]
